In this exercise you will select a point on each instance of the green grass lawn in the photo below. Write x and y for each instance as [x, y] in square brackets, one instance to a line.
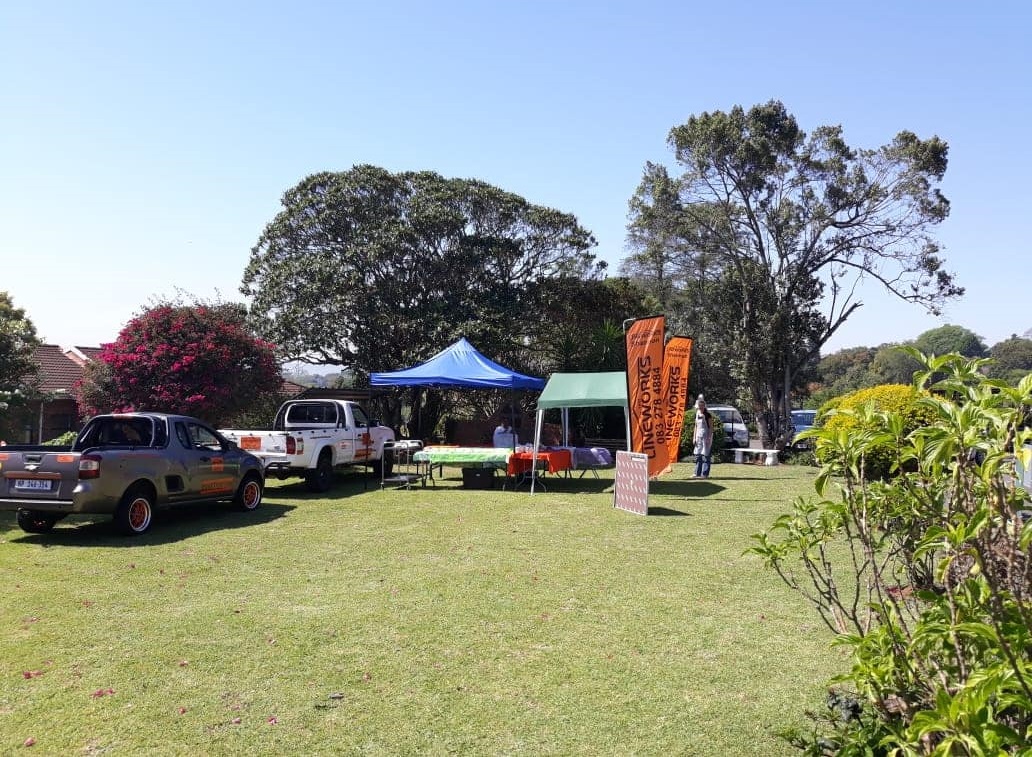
[424, 621]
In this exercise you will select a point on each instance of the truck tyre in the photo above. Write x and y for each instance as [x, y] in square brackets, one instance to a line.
[320, 479]
[32, 522]
[135, 512]
[249, 495]
[384, 467]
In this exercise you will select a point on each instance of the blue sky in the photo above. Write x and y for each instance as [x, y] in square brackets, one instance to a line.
[145, 146]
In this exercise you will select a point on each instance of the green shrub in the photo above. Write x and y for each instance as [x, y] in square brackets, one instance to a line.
[798, 457]
[861, 411]
[65, 440]
[926, 577]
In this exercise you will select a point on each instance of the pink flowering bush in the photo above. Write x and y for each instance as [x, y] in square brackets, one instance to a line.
[196, 360]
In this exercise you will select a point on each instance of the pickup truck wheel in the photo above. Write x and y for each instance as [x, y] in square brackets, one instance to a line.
[320, 479]
[249, 495]
[32, 522]
[135, 511]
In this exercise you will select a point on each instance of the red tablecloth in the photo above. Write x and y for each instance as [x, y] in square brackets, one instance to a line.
[556, 460]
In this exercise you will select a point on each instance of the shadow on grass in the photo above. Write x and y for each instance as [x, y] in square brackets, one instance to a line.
[169, 526]
[691, 488]
[344, 485]
[754, 478]
[662, 511]
[563, 485]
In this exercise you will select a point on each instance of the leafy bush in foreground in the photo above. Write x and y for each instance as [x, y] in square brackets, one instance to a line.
[925, 576]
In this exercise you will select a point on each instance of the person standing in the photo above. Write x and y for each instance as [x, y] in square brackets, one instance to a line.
[702, 438]
[504, 435]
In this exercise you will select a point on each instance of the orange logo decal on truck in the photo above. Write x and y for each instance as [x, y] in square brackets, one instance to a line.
[216, 465]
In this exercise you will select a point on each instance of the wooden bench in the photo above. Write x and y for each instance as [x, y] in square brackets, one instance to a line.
[770, 455]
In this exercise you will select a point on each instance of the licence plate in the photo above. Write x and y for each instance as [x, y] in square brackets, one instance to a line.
[33, 484]
[250, 442]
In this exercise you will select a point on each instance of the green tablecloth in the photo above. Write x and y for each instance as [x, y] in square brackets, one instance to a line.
[464, 457]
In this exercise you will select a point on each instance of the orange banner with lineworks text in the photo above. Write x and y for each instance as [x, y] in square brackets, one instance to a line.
[644, 344]
[677, 365]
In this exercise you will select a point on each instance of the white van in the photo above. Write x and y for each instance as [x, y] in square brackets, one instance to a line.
[736, 434]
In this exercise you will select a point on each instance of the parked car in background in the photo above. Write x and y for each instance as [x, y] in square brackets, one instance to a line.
[802, 420]
[736, 434]
[127, 465]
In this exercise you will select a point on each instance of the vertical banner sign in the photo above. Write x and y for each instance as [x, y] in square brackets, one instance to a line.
[644, 345]
[677, 363]
[631, 487]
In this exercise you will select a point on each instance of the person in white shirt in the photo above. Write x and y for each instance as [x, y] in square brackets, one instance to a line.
[504, 436]
[703, 438]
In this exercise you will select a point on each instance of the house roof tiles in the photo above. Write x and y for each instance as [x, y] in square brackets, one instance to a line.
[60, 369]
[57, 371]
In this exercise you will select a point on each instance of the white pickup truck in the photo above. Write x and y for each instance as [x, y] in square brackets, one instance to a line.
[312, 438]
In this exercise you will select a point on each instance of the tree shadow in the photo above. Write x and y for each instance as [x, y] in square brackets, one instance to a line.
[169, 526]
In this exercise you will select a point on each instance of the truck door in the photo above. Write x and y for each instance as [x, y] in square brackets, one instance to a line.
[361, 439]
[210, 471]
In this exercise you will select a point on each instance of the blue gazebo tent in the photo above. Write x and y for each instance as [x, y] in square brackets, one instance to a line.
[459, 365]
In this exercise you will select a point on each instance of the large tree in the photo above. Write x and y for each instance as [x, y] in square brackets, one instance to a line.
[843, 372]
[373, 270]
[18, 369]
[776, 228]
[950, 338]
[199, 360]
[896, 364]
[1012, 359]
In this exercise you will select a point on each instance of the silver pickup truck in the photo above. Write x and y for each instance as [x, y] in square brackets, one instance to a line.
[127, 465]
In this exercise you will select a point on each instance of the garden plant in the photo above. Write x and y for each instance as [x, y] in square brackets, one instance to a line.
[923, 570]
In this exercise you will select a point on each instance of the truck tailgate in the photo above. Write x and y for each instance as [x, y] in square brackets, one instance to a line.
[257, 442]
[28, 477]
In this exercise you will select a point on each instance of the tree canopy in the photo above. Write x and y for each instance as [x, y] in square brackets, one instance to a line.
[768, 231]
[198, 360]
[950, 338]
[18, 369]
[18, 342]
[1012, 359]
[372, 270]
